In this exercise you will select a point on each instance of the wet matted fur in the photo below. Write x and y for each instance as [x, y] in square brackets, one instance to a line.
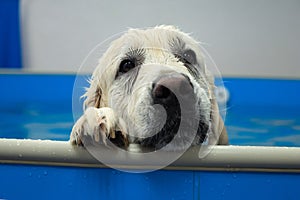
[149, 86]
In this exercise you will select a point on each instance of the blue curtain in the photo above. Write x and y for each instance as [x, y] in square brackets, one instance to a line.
[10, 47]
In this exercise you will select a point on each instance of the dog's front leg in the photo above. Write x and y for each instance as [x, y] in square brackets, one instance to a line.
[99, 124]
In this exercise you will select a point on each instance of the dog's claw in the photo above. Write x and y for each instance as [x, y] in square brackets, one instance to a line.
[101, 124]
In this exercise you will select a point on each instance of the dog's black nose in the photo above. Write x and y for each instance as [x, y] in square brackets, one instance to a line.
[167, 90]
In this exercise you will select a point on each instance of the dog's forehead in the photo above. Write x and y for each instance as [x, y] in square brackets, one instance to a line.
[163, 37]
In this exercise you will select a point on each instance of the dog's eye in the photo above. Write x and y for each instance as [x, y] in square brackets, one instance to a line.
[126, 65]
[189, 56]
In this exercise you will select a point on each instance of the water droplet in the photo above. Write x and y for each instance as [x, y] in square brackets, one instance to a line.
[30, 174]
[45, 173]
[20, 155]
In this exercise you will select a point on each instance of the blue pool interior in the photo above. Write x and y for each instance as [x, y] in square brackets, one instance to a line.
[261, 112]
[40, 182]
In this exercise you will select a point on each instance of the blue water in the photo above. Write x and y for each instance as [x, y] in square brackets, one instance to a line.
[52, 121]
[264, 126]
[246, 125]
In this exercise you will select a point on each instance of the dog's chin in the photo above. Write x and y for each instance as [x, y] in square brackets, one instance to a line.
[180, 131]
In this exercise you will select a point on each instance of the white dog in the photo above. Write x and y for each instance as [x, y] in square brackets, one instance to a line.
[150, 86]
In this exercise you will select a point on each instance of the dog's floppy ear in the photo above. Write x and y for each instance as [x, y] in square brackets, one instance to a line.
[223, 138]
[97, 97]
[220, 136]
[93, 97]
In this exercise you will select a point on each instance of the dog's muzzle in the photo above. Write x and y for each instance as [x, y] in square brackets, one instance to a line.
[175, 93]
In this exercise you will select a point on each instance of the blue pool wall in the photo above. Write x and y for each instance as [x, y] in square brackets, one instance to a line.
[10, 42]
[44, 182]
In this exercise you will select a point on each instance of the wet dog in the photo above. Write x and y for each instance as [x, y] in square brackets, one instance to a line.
[151, 87]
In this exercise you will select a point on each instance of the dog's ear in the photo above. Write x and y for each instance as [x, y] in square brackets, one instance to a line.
[97, 97]
[223, 138]
[219, 132]
[93, 97]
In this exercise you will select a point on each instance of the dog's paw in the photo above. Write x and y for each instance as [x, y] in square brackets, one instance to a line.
[99, 125]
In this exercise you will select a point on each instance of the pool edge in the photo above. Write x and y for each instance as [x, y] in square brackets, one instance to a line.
[220, 158]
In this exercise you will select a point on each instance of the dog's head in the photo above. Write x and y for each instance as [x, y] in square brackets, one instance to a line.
[157, 81]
